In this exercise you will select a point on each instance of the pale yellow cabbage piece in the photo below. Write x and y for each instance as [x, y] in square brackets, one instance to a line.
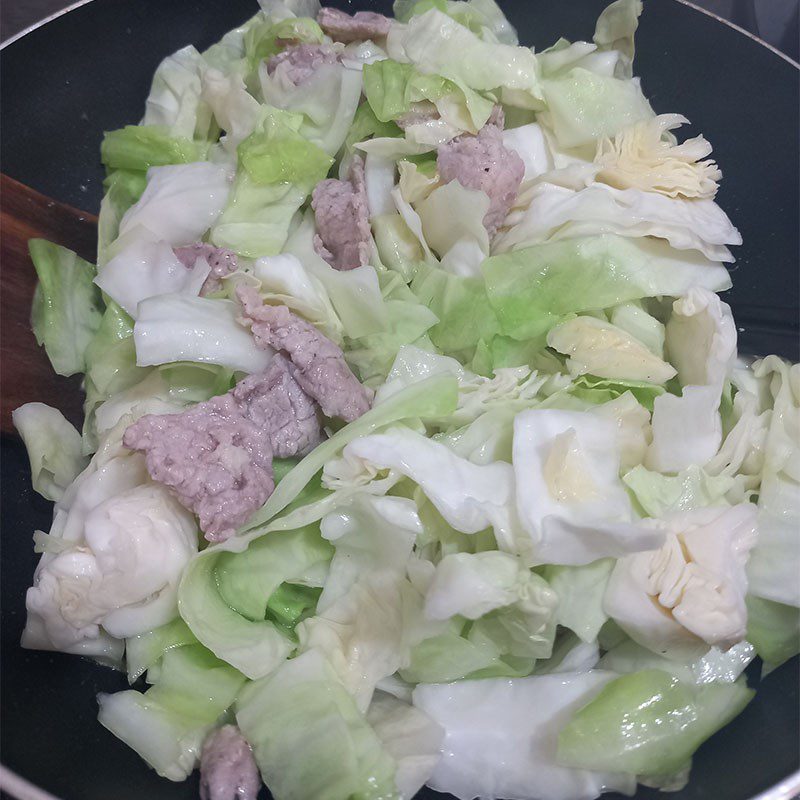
[643, 156]
[604, 350]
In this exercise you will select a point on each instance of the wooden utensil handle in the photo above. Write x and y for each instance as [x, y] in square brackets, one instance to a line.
[25, 371]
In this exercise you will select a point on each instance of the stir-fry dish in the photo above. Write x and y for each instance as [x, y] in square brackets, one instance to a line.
[417, 447]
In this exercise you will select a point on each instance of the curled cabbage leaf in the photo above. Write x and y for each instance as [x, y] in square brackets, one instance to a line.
[643, 157]
[125, 546]
[570, 500]
[691, 592]
[606, 351]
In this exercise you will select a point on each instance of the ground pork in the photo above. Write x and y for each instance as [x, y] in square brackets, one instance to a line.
[228, 770]
[299, 62]
[418, 113]
[343, 27]
[222, 262]
[342, 217]
[319, 365]
[276, 403]
[216, 456]
[497, 117]
[482, 162]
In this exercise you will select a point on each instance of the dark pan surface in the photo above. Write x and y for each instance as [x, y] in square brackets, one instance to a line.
[90, 70]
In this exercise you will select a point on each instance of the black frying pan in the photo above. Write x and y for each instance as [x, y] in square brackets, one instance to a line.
[89, 71]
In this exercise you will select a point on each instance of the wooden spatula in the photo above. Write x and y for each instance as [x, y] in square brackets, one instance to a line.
[25, 371]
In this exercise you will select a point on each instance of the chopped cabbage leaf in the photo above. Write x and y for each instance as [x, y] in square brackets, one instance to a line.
[180, 327]
[148, 268]
[55, 449]
[648, 723]
[660, 495]
[180, 202]
[569, 497]
[772, 572]
[410, 737]
[774, 630]
[690, 593]
[225, 592]
[604, 350]
[580, 596]
[584, 106]
[437, 44]
[641, 157]
[304, 707]
[500, 736]
[434, 397]
[67, 308]
[554, 212]
[532, 289]
[175, 100]
[167, 724]
[139, 147]
[145, 650]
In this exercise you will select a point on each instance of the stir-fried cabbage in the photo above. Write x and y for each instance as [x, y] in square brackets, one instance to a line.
[533, 516]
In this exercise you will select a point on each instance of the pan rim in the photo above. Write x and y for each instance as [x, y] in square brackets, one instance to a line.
[42, 22]
[21, 788]
[740, 29]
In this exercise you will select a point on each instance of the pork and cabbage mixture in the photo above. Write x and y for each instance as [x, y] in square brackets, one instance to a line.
[417, 448]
